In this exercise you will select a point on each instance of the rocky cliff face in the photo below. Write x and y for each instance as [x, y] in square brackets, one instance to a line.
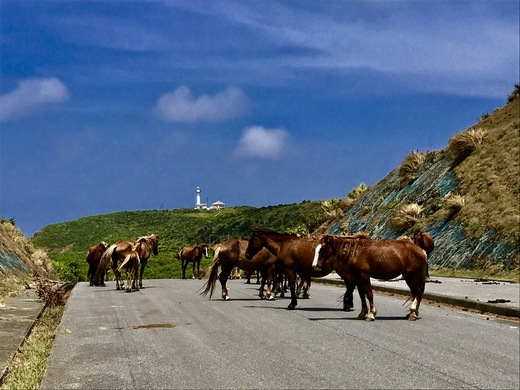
[20, 262]
[470, 235]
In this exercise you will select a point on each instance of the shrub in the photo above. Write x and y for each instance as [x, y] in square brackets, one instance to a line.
[463, 144]
[409, 167]
[454, 204]
[332, 208]
[513, 95]
[406, 216]
[353, 196]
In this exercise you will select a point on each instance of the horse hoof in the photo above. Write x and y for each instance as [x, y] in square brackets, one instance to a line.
[348, 308]
[291, 307]
[411, 316]
[369, 319]
[227, 298]
[271, 298]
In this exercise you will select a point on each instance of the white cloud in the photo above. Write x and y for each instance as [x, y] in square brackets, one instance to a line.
[31, 93]
[257, 141]
[181, 106]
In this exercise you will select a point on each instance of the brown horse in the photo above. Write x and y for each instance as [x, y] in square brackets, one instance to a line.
[192, 254]
[117, 252]
[295, 255]
[231, 254]
[93, 257]
[131, 265]
[359, 258]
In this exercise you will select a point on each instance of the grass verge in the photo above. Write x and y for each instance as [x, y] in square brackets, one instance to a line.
[26, 369]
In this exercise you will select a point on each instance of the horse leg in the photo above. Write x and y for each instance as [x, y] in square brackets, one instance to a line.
[141, 271]
[290, 276]
[128, 279]
[307, 288]
[223, 277]
[364, 308]
[198, 269]
[348, 298]
[193, 270]
[184, 264]
[416, 284]
[370, 296]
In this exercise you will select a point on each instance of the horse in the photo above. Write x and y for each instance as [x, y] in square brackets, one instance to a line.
[131, 265]
[295, 255]
[359, 258]
[93, 257]
[231, 254]
[117, 252]
[192, 254]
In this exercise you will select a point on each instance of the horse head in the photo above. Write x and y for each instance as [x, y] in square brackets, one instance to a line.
[153, 241]
[323, 251]
[424, 240]
[254, 244]
[204, 250]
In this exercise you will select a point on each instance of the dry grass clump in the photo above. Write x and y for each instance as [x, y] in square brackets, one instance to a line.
[409, 167]
[454, 204]
[463, 144]
[406, 216]
[354, 195]
[333, 208]
[53, 293]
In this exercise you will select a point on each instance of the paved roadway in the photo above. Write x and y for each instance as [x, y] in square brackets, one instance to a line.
[168, 336]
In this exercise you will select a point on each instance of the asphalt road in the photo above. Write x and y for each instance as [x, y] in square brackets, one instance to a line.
[169, 336]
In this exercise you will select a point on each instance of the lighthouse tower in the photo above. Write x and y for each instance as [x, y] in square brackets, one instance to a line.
[199, 205]
[197, 191]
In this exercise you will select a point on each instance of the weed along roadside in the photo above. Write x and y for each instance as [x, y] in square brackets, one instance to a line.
[29, 328]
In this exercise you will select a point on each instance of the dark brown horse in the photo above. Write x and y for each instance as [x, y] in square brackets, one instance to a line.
[359, 258]
[231, 254]
[116, 253]
[192, 254]
[295, 255]
[93, 257]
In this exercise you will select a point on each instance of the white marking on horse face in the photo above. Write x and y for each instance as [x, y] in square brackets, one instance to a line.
[316, 256]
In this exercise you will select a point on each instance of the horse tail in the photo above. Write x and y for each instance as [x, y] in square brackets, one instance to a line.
[209, 286]
[125, 261]
[105, 261]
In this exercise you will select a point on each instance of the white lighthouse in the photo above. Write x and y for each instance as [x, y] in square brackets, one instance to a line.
[197, 191]
[199, 205]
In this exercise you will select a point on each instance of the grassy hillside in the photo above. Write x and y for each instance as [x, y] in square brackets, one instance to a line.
[67, 243]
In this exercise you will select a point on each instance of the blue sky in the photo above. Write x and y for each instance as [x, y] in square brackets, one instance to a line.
[108, 106]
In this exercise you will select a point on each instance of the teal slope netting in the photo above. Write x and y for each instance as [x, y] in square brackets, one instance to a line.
[435, 181]
[454, 250]
[10, 261]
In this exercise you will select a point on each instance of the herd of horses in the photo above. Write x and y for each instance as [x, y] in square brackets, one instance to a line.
[355, 258]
